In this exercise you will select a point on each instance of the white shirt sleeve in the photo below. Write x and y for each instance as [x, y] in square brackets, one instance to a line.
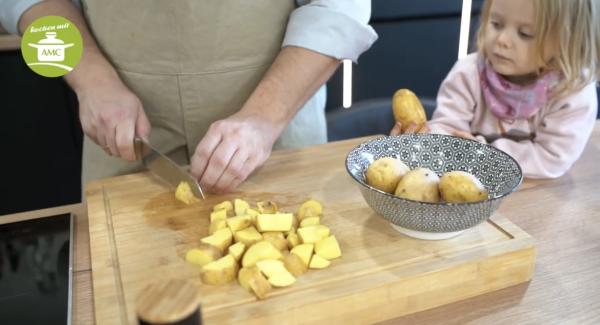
[11, 11]
[336, 28]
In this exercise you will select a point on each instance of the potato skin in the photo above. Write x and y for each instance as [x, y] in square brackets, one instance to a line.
[385, 173]
[459, 187]
[419, 184]
[408, 109]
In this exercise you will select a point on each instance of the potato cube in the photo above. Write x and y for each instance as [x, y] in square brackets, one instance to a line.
[219, 272]
[274, 222]
[225, 205]
[304, 251]
[312, 221]
[313, 234]
[276, 272]
[218, 215]
[328, 248]
[217, 225]
[252, 280]
[240, 207]
[310, 208]
[267, 207]
[239, 222]
[248, 236]
[184, 193]
[294, 264]
[317, 262]
[293, 240]
[203, 255]
[237, 250]
[262, 250]
[221, 239]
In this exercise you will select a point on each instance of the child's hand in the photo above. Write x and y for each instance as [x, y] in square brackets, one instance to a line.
[464, 135]
[412, 128]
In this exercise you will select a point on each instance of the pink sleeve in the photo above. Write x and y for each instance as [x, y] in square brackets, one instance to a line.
[456, 99]
[560, 140]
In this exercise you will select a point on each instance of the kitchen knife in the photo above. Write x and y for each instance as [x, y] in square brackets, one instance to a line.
[163, 167]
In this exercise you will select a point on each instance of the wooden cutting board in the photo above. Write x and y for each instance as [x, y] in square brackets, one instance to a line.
[139, 234]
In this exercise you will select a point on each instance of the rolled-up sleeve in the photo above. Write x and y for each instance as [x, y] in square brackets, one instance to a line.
[336, 28]
[11, 11]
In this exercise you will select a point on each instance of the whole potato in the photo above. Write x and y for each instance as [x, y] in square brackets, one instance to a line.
[458, 187]
[419, 184]
[408, 109]
[385, 173]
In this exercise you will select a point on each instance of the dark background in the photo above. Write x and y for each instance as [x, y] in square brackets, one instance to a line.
[40, 136]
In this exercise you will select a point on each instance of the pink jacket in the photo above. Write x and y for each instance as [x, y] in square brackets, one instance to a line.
[545, 145]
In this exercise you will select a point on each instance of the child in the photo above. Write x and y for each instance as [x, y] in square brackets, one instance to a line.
[530, 89]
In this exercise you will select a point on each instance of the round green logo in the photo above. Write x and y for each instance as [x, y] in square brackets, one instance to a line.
[52, 46]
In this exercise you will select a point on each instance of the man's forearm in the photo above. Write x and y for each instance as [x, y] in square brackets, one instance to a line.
[296, 74]
[93, 66]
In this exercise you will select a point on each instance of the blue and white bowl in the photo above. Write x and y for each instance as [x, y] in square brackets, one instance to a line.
[499, 173]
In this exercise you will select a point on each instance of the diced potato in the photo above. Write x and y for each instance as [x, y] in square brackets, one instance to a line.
[219, 272]
[274, 222]
[262, 250]
[218, 215]
[203, 255]
[237, 250]
[225, 205]
[317, 262]
[248, 236]
[221, 239]
[293, 240]
[304, 251]
[252, 280]
[184, 193]
[240, 207]
[276, 273]
[252, 213]
[239, 222]
[328, 248]
[310, 208]
[217, 225]
[313, 234]
[267, 207]
[277, 239]
[294, 264]
[312, 221]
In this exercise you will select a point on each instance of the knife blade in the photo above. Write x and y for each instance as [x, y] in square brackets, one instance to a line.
[165, 168]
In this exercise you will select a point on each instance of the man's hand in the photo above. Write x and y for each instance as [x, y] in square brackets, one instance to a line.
[111, 115]
[231, 149]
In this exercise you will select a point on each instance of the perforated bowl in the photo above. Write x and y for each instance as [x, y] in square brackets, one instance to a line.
[499, 173]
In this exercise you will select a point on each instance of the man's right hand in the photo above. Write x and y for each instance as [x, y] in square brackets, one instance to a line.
[111, 115]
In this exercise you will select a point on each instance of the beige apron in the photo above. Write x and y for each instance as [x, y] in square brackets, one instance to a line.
[192, 62]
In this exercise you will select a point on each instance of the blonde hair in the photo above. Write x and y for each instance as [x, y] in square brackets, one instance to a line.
[572, 30]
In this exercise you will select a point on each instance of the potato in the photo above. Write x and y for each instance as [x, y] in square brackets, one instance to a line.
[276, 273]
[221, 239]
[252, 213]
[313, 234]
[218, 215]
[240, 206]
[252, 280]
[237, 250]
[239, 222]
[203, 255]
[263, 250]
[217, 225]
[248, 236]
[458, 187]
[328, 248]
[184, 193]
[274, 222]
[420, 184]
[266, 207]
[277, 239]
[317, 262]
[310, 208]
[408, 109]
[225, 205]
[385, 173]
[294, 264]
[293, 240]
[219, 272]
[304, 251]
[312, 221]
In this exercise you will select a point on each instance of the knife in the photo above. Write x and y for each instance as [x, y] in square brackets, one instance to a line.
[163, 167]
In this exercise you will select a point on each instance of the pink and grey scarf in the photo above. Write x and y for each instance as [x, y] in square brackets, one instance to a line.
[509, 101]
